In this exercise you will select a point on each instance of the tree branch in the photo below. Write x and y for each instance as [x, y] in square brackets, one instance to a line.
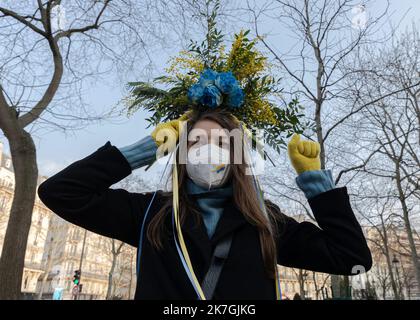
[22, 20]
[95, 25]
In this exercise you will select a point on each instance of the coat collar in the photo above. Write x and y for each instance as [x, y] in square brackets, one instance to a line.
[231, 219]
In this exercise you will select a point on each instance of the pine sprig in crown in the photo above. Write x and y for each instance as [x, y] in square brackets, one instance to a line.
[205, 76]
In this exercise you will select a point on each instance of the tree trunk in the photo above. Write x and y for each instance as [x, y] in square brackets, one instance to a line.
[315, 285]
[335, 279]
[389, 264]
[12, 260]
[131, 276]
[110, 276]
[302, 284]
[47, 271]
[412, 244]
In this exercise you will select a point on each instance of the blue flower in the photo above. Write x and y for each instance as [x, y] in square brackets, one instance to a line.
[212, 85]
[195, 93]
[236, 97]
[226, 82]
[212, 97]
[207, 77]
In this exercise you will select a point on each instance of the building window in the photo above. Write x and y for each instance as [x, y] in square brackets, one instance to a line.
[3, 202]
[75, 234]
[36, 238]
[40, 218]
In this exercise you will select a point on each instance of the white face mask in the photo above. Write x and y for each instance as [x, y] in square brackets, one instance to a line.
[208, 166]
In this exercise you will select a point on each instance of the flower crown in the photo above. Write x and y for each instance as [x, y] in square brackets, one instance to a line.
[205, 76]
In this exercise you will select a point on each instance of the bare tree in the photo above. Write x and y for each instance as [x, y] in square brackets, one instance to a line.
[382, 277]
[123, 278]
[319, 289]
[390, 127]
[319, 68]
[396, 141]
[48, 45]
[115, 250]
[48, 266]
[408, 280]
[375, 204]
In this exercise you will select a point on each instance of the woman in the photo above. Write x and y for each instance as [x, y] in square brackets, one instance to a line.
[214, 205]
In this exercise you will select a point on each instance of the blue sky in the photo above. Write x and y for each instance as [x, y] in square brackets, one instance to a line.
[57, 150]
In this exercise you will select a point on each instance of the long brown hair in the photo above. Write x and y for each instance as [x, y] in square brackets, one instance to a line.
[244, 196]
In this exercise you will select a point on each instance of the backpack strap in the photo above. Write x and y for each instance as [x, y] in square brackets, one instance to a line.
[218, 259]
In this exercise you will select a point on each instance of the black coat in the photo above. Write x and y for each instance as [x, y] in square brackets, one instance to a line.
[81, 194]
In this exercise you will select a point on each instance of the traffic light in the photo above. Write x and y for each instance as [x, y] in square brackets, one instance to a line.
[76, 277]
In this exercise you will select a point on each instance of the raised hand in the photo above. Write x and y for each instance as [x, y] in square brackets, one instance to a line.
[304, 155]
[168, 132]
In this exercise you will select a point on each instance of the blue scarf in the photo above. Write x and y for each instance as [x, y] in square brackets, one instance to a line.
[211, 203]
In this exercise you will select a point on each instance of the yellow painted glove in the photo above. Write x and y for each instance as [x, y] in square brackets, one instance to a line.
[304, 155]
[168, 131]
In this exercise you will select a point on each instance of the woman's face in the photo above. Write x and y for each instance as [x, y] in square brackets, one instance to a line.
[208, 154]
[208, 132]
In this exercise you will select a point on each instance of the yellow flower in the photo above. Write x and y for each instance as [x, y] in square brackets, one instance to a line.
[244, 60]
[260, 111]
[179, 66]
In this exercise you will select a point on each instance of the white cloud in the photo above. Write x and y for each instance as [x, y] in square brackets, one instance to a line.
[50, 167]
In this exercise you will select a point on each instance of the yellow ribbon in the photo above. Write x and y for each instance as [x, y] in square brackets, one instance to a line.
[179, 231]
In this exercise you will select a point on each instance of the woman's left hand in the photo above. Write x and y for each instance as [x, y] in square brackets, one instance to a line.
[304, 155]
